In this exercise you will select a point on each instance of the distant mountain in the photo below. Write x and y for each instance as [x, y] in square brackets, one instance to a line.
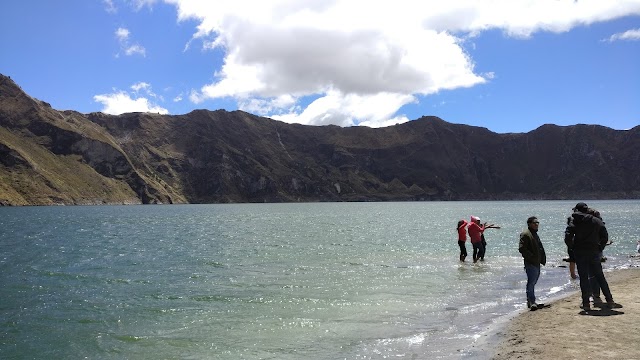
[65, 157]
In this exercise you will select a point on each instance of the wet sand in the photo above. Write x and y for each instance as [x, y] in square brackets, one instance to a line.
[564, 331]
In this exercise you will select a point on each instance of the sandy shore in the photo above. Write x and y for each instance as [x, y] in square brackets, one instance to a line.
[564, 331]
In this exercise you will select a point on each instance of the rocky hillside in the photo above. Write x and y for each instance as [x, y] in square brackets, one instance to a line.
[65, 157]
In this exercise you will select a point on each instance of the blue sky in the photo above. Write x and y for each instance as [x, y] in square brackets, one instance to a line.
[507, 65]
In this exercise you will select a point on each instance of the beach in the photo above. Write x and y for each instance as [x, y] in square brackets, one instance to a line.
[563, 330]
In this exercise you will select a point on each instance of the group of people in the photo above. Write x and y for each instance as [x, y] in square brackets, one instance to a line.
[586, 237]
[476, 234]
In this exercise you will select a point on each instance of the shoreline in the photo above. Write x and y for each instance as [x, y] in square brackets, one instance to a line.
[563, 330]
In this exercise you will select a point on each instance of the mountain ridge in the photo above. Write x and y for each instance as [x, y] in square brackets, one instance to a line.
[52, 157]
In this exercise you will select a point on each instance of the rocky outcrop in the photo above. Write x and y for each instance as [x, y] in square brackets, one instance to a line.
[64, 157]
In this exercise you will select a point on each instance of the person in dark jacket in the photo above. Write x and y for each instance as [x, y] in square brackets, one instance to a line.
[533, 254]
[587, 236]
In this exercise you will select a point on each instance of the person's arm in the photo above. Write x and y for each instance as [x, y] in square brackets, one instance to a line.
[569, 233]
[524, 248]
[604, 237]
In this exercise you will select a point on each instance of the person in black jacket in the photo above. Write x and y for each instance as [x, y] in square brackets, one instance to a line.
[533, 254]
[587, 236]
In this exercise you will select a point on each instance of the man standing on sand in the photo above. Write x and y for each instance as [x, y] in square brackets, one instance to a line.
[588, 236]
[533, 254]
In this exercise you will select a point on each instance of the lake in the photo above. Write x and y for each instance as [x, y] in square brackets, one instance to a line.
[274, 281]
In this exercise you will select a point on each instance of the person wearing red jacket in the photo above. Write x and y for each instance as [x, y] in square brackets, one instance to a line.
[462, 238]
[475, 230]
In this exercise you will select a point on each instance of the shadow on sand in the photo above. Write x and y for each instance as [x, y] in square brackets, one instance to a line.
[603, 311]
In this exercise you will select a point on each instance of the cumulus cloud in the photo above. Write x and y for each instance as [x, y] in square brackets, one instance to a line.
[629, 35]
[120, 102]
[123, 35]
[361, 62]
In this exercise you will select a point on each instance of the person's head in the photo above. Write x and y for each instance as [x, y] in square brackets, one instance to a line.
[533, 223]
[594, 212]
[460, 223]
[581, 207]
[475, 219]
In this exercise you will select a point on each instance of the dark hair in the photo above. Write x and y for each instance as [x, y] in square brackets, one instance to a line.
[531, 219]
[459, 223]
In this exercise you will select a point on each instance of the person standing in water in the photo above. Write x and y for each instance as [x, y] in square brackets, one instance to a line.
[533, 255]
[484, 241]
[475, 230]
[462, 238]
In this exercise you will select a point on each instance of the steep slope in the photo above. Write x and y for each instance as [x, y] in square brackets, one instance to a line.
[64, 157]
[54, 157]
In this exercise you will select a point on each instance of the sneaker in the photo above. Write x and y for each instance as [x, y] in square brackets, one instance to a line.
[532, 306]
[585, 307]
[611, 304]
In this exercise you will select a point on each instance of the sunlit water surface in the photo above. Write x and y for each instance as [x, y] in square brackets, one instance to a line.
[273, 281]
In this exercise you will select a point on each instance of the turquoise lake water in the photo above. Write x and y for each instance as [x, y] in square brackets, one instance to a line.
[274, 281]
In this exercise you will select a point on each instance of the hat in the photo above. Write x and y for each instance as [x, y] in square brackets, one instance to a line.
[475, 218]
[582, 207]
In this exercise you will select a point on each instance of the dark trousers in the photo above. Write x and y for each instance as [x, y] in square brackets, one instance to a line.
[590, 267]
[463, 249]
[478, 251]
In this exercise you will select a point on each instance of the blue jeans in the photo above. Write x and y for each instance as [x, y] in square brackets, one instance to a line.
[533, 273]
[590, 267]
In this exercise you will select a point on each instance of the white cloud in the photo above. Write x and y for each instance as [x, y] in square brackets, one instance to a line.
[139, 4]
[109, 6]
[120, 102]
[141, 86]
[630, 35]
[362, 61]
[123, 35]
[349, 109]
[135, 49]
[268, 106]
